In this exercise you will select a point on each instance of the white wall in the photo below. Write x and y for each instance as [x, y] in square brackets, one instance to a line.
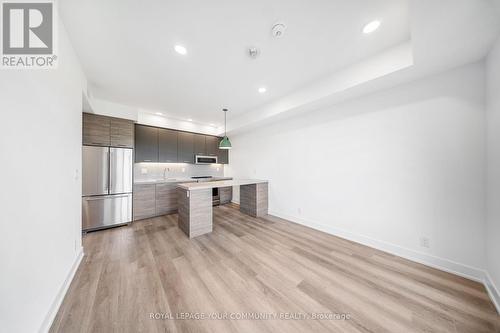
[111, 109]
[40, 188]
[385, 169]
[149, 117]
[493, 143]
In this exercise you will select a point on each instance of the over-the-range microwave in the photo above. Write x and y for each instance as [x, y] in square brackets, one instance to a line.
[200, 159]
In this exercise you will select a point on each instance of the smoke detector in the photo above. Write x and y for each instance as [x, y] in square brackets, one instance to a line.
[253, 52]
[278, 30]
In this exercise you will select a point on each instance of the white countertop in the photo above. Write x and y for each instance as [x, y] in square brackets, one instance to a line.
[220, 183]
[177, 180]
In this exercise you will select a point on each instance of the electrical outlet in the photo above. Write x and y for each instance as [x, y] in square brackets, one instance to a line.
[183, 169]
[144, 171]
[299, 211]
[425, 242]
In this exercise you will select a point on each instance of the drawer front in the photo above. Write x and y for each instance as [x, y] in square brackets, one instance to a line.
[104, 211]
[144, 201]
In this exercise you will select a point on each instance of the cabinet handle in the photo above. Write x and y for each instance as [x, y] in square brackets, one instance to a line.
[146, 160]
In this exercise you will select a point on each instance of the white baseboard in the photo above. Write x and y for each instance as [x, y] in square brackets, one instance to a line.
[446, 265]
[492, 291]
[51, 315]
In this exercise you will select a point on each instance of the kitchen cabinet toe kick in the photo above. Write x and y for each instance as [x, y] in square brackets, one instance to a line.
[195, 211]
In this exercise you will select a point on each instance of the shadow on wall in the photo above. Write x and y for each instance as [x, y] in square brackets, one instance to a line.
[419, 91]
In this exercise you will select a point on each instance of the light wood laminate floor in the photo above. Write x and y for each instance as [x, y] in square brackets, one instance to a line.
[261, 266]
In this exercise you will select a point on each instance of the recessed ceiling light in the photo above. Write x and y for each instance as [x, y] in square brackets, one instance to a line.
[159, 113]
[180, 49]
[190, 119]
[371, 27]
[262, 90]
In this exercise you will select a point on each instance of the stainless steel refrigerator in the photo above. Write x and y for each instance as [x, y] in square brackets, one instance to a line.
[107, 187]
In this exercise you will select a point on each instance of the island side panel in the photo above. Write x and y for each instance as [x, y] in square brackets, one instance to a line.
[254, 199]
[195, 211]
[183, 210]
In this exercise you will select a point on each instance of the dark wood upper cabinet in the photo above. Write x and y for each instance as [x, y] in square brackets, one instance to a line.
[185, 144]
[122, 133]
[146, 144]
[107, 131]
[212, 143]
[153, 144]
[200, 146]
[223, 156]
[96, 130]
[167, 146]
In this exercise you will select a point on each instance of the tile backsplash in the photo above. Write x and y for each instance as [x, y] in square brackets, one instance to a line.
[159, 171]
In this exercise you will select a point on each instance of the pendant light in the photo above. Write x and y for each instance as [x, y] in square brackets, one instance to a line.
[225, 143]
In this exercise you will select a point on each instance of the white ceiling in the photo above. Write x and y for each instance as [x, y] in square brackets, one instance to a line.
[444, 34]
[126, 49]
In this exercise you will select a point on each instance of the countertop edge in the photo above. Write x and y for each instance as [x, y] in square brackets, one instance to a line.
[221, 183]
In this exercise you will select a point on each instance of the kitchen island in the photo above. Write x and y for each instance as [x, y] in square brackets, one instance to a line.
[195, 203]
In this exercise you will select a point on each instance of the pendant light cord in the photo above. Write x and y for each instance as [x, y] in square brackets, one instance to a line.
[225, 122]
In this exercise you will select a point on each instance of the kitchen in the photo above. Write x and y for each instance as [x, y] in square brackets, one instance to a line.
[133, 172]
[250, 166]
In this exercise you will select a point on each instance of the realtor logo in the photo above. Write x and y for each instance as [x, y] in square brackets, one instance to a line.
[28, 35]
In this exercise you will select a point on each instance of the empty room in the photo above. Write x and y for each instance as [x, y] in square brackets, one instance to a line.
[250, 166]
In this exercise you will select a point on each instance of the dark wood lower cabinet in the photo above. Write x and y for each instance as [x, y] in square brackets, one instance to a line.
[154, 200]
[225, 195]
[144, 201]
[166, 199]
[160, 199]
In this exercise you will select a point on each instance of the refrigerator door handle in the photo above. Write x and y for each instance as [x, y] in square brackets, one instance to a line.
[106, 197]
[110, 179]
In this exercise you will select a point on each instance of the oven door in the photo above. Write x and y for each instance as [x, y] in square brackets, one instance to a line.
[215, 196]
[206, 159]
